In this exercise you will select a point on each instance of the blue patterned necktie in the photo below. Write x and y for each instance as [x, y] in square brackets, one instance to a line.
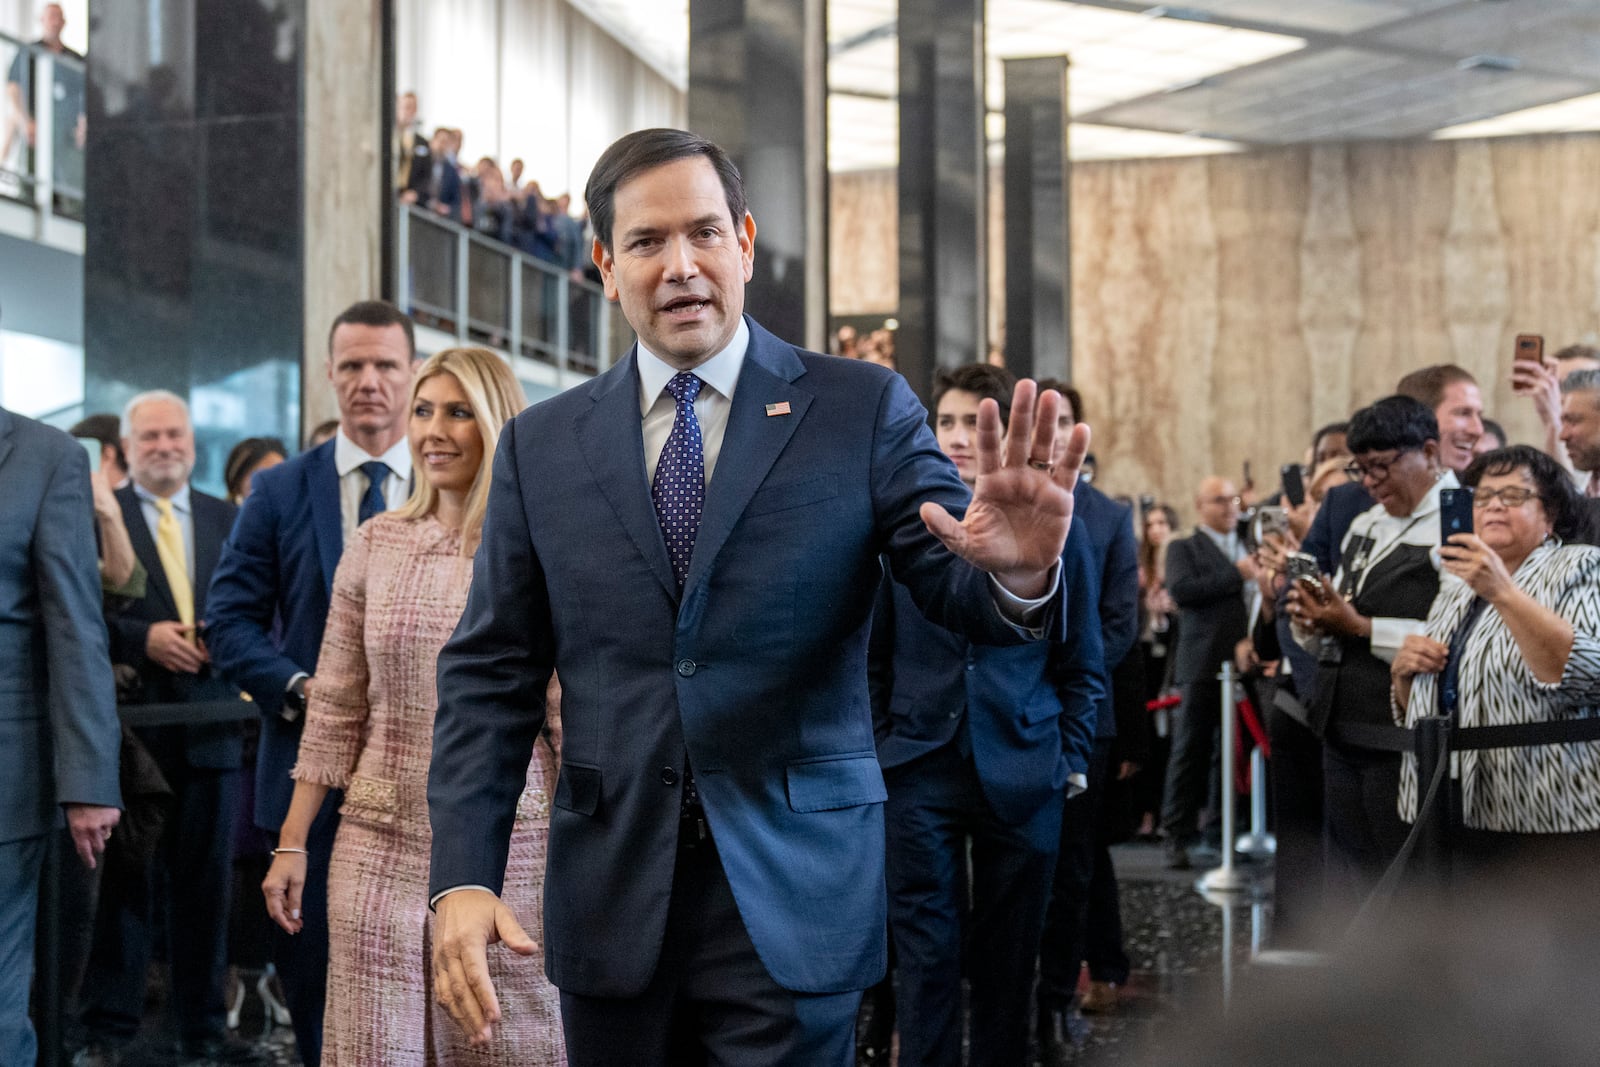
[373, 501]
[679, 488]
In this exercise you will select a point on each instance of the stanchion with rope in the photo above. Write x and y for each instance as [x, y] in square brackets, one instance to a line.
[1259, 844]
[1226, 879]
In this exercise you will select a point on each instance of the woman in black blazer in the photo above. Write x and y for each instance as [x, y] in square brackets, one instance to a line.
[1356, 623]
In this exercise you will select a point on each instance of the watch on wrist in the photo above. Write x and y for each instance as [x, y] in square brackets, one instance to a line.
[294, 698]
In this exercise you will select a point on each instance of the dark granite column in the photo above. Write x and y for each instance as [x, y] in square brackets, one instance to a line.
[192, 266]
[1038, 264]
[757, 87]
[943, 261]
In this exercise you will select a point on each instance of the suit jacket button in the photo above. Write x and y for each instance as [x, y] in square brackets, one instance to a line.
[687, 667]
[669, 776]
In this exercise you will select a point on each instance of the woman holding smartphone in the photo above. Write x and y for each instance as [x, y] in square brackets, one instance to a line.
[1355, 624]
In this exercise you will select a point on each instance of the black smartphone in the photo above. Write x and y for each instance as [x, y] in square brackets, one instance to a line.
[1294, 484]
[1455, 513]
[1302, 568]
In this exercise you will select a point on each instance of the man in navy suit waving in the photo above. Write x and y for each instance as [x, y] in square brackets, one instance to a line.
[981, 743]
[692, 541]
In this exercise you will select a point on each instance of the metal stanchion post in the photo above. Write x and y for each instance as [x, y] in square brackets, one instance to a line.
[1226, 879]
[1258, 844]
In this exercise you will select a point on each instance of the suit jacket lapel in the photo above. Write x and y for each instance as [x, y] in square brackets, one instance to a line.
[7, 429]
[612, 437]
[7, 426]
[327, 521]
[209, 520]
[144, 547]
[1210, 547]
[751, 443]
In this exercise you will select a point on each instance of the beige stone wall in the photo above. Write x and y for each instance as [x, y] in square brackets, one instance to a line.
[343, 198]
[1224, 306]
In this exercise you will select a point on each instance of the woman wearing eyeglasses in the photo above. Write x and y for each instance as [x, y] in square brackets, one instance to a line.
[1356, 623]
[1514, 637]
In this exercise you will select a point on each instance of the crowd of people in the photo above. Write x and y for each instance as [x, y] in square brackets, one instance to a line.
[656, 722]
[1415, 564]
[431, 173]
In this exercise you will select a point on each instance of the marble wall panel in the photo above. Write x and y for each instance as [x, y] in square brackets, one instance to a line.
[1223, 307]
[344, 190]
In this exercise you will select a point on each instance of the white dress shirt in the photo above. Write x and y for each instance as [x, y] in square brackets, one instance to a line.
[347, 460]
[720, 374]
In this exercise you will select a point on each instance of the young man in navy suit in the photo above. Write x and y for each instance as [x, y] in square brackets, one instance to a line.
[692, 540]
[1085, 919]
[978, 743]
[269, 599]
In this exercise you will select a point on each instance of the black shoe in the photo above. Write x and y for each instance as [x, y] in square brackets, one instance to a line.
[1177, 857]
[227, 1049]
[1062, 1035]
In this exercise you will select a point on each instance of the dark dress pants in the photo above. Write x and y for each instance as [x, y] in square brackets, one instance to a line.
[302, 959]
[1295, 781]
[711, 1000]
[1194, 724]
[20, 862]
[935, 804]
[188, 878]
[1361, 791]
[1064, 944]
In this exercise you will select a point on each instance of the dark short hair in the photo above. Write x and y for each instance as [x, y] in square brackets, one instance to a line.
[1068, 393]
[244, 456]
[1398, 422]
[378, 313]
[1569, 515]
[984, 379]
[107, 429]
[645, 150]
[1331, 428]
[1429, 384]
[1578, 352]
[1493, 429]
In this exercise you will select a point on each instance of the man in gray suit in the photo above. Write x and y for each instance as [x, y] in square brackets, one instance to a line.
[58, 716]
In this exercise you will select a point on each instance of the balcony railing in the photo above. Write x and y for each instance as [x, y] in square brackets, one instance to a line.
[486, 292]
[42, 130]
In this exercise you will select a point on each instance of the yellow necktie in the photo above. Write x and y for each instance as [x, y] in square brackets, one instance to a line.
[169, 546]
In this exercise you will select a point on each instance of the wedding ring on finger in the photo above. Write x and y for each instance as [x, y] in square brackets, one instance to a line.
[1041, 465]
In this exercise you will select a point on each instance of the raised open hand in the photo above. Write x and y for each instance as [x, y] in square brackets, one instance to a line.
[1016, 525]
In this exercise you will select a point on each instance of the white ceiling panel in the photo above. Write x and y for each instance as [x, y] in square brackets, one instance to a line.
[1365, 69]
[1551, 35]
[1341, 94]
[1578, 115]
[1321, 16]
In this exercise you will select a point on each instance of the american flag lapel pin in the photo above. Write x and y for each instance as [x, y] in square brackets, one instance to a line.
[781, 408]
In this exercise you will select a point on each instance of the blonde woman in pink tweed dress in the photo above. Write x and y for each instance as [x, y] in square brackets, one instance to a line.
[397, 595]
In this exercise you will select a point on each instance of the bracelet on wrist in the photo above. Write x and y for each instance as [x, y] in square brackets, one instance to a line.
[290, 851]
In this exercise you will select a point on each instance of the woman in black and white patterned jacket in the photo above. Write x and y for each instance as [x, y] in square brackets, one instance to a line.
[1514, 637]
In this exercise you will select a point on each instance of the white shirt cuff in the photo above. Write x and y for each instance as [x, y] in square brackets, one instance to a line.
[1389, 634]
[1076, 783]
[1022, 613]
[433, 901]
